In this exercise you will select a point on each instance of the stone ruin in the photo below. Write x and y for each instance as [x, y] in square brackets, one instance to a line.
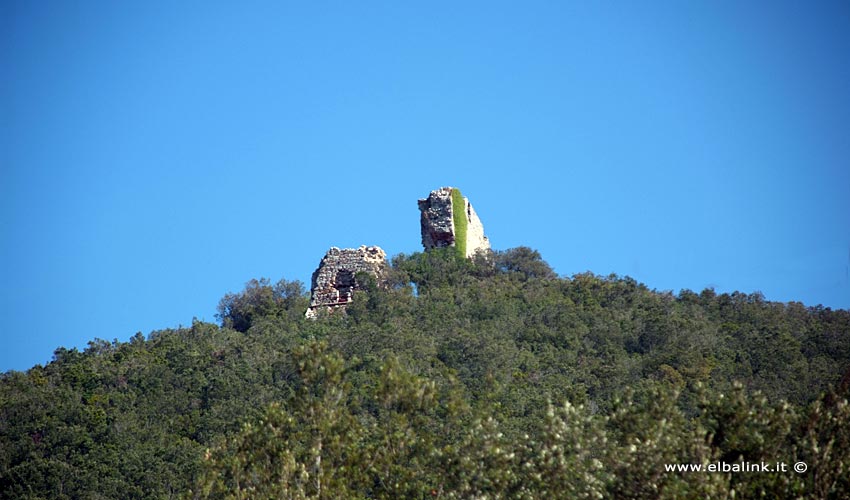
[334, 282]
[438, 227]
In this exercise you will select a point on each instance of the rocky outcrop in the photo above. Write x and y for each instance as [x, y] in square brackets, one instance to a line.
[438, 222]
[334, 282]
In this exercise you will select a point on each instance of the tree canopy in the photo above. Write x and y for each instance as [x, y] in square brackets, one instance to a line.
[487, 378]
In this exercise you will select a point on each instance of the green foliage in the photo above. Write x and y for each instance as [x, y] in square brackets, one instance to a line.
[327, 441]
[260, 300]
[299, 450]
[460, 221]
[405, 438]
[451, 378]
[525, 261]
[435, 269]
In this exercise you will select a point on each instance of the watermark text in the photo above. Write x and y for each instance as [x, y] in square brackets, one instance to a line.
[742, 466]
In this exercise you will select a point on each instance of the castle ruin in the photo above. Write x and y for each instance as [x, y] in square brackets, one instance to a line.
[447, 220]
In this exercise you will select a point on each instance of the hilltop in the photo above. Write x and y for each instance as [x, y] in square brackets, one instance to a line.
[446, 374]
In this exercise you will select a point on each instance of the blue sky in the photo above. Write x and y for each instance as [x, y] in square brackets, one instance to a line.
[155, 156]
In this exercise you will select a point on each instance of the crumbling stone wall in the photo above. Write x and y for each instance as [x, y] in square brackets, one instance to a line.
[333, 283]
[437, 223]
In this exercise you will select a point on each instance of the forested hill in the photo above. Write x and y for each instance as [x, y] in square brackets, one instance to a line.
[487, 378]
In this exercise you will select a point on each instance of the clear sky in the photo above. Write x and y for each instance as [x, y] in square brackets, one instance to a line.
[154, 157]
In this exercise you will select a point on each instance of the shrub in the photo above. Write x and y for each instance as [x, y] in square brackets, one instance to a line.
[460, 222]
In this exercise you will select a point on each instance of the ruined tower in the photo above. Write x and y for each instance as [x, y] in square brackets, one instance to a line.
[448, 219]
[333, 283]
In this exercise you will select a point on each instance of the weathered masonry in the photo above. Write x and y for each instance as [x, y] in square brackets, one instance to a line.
[448, 219]
[334, 282]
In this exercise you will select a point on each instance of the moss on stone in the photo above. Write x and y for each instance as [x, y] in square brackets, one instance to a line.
[460, 221]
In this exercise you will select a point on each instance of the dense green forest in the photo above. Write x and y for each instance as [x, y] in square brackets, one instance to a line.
[453, 378]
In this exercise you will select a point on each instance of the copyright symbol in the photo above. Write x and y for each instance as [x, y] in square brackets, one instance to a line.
[800, 467]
